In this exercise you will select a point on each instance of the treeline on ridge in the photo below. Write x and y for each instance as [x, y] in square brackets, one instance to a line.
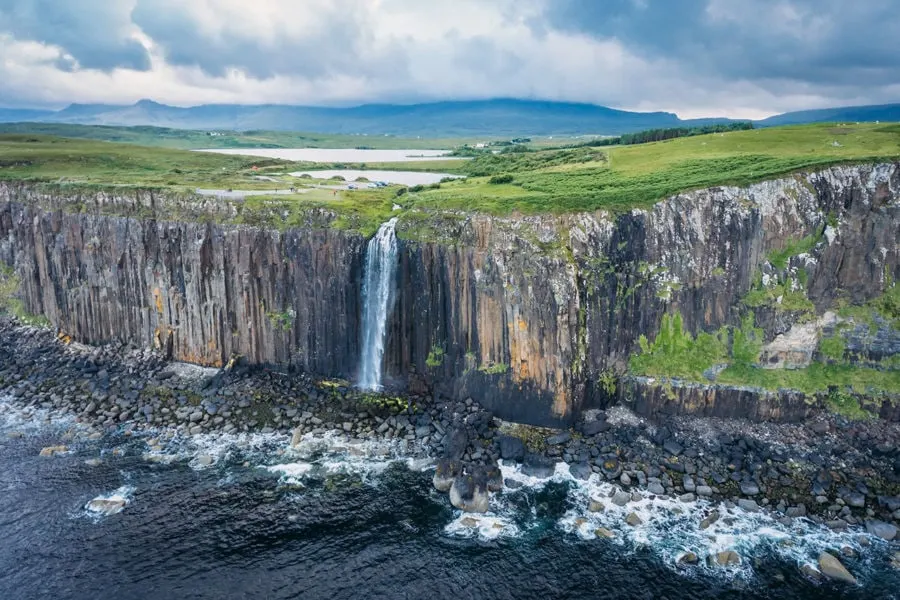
[658, 135]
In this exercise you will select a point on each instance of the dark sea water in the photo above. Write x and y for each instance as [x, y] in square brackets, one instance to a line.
[336, 521]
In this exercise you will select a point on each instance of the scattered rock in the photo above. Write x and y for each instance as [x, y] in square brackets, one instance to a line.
[633, 520]
[594, 427]
[811, 572]
[728, 558]
[469, 493]
[54, 450]
[885, 531]
[456, 443]
[688, 558]
[709, 519]
[673, 447]
[106, 506]
[749, 488]
[296, 437]
[656, 489]
[621, 498]
[511, 448]
[580, 470]
[537, 465]
[444, 473]
[559, 439]
[603, 532]
[596, 506]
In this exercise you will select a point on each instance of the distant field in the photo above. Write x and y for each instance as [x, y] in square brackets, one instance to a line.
[46, 158]
[614, 178]
[186, 139]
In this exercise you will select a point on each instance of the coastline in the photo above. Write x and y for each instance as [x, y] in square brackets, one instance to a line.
[835, 472]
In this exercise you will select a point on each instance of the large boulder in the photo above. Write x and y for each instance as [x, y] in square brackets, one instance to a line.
[885, 531]
[456, 443]
[580, 470]
[53, 450]
[594, 427]
[621, 498]
[832, 568]
[446, 471]
[610, 466]
[469, 492]
[537, 465]
[511, 448]
[728, 558]
[494, 478]
[106, 506]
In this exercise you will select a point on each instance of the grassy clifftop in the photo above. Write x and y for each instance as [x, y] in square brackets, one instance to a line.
[621, 178]
[529, 181]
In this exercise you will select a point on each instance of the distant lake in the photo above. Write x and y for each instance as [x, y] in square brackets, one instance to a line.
[335, 155]
[400, 177]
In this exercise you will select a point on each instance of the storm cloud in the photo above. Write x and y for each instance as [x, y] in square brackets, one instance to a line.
[694, 57]
[91, 34]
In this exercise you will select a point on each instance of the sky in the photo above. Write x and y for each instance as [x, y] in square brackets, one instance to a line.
[735, 58]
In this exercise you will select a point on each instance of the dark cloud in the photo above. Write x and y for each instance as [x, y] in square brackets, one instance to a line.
[339, 46]
[93, 32]
[695, 57]
[831, 42]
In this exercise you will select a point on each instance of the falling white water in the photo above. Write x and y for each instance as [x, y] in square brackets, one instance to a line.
[378, 294]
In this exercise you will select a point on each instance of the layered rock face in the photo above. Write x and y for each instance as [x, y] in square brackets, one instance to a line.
[529, 315]
[202, 292]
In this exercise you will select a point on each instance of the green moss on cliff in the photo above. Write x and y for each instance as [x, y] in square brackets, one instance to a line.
[10, 302]
[676, 353]
[779, 258]
[816, 378]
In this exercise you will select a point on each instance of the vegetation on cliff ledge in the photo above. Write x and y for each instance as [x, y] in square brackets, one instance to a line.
[730, 356]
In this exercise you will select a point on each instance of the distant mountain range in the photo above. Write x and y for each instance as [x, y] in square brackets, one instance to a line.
[502, 117]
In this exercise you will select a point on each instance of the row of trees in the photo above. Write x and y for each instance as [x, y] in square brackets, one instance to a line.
[658, 135]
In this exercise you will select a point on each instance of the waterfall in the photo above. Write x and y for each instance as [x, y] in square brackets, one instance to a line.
[378, 296]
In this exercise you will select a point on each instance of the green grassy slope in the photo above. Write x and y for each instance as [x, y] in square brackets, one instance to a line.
[624, 177]
[50, 159]
[552, 180]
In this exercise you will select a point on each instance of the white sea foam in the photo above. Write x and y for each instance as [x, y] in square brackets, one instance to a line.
[488, 526]
[29, 419]
[671, 528]
[291, 473]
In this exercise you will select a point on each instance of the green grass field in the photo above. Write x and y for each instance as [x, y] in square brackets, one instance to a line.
[49, 159]
[550, 180]
[621, 178]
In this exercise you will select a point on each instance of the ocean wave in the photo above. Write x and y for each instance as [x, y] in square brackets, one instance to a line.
[672, 529]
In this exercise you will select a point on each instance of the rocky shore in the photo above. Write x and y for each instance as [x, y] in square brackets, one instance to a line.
[833, 471]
